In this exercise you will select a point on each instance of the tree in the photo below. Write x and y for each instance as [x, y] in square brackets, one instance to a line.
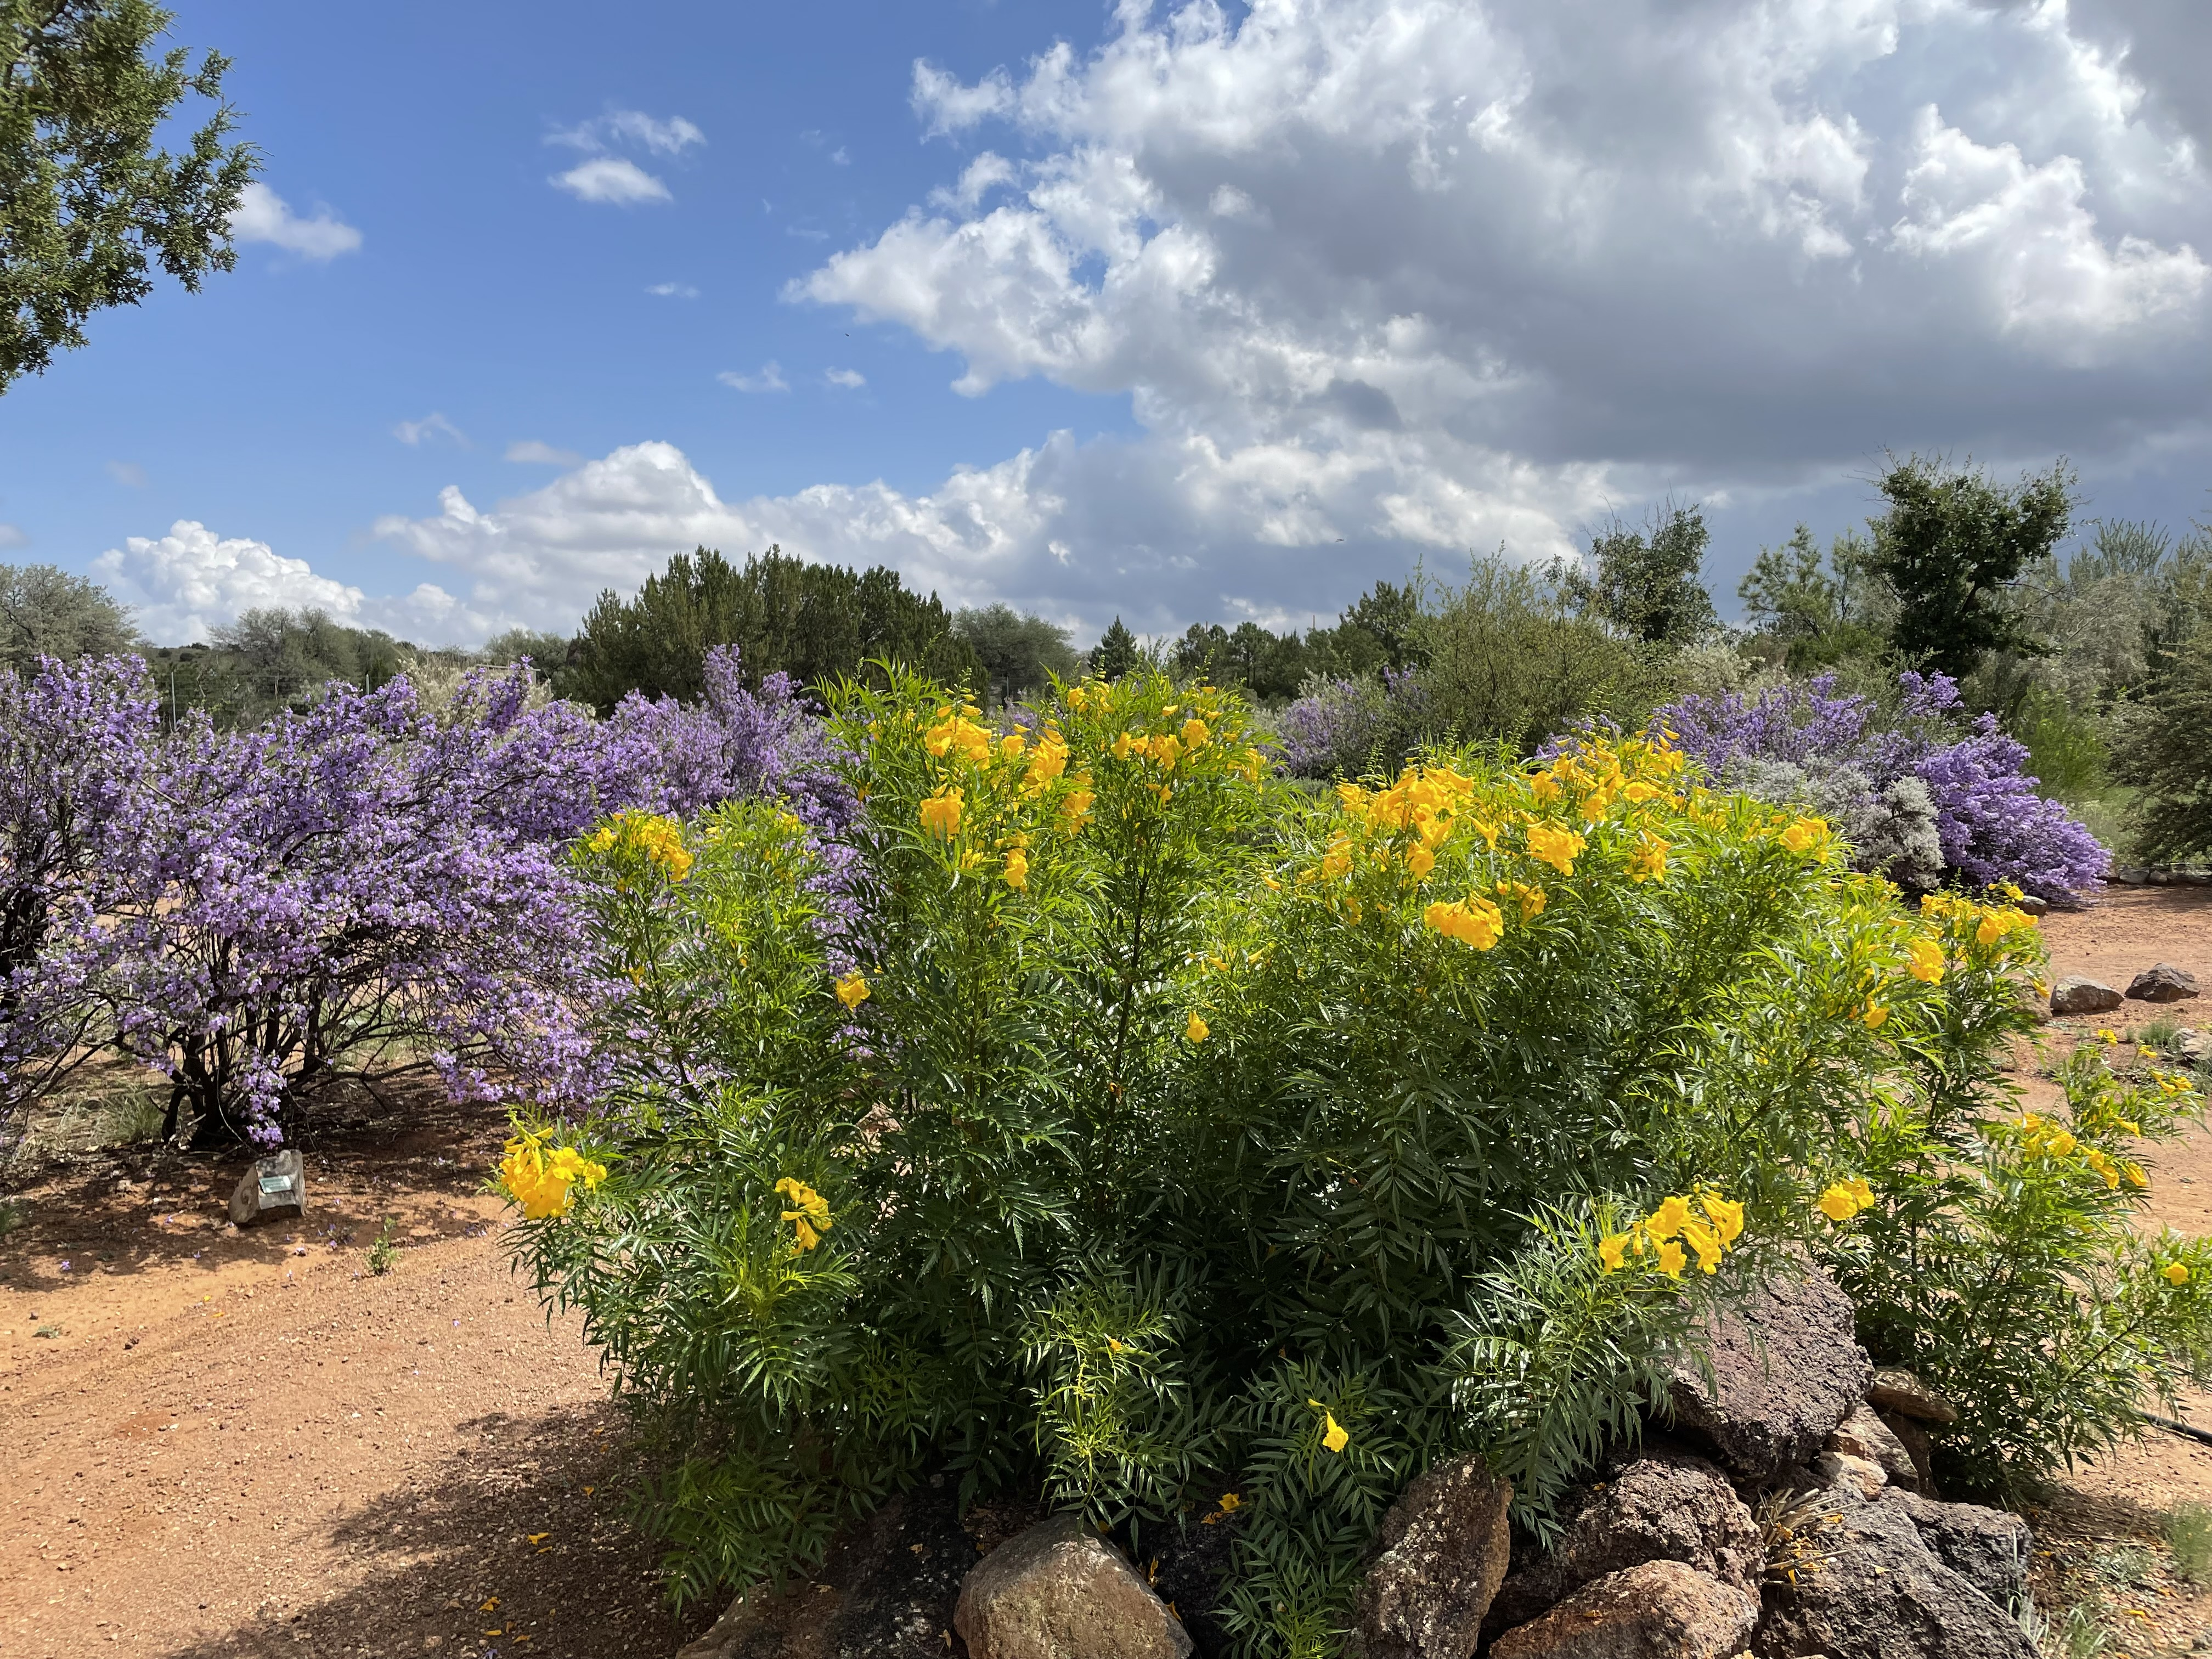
[2165, 751]
[1116, 654]
[1950, 546]
[86, 202]
[1819, 608]
[46, 612]
[1646, 583]
[1019, 653]
[817, 623]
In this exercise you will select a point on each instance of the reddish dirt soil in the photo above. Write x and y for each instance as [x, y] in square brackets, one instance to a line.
[245, 1444]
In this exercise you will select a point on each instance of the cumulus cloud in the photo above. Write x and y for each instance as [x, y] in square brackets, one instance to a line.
[673, 291]
[850, 380]
[615, 181]
[770, 379]
[186, 584]
[433, 425]
[1424, 275]
[629, 126]
[262, 215]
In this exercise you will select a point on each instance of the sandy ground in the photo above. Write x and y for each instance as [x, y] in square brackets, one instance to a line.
[247, 1445]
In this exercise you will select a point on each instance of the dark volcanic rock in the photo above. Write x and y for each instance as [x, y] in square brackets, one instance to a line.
[1989, 1548]
[1438, 1560]
[1787, 1368]
[2077, 993]
[1865, 1585]
[885, 1592]
[1659, 1610]
[2163, 983]
[1669, 1504]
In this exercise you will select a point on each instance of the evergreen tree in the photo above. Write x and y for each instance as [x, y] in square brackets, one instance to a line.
[1951, 546]
[1116, 654]
[86, 201]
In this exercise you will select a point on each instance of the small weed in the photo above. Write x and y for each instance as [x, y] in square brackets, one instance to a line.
[2189, 1534]
[2158, 1033]
[2121, 1566]
[2081, 1634]
[14, 1213]
[48, 1331]
[384, 1252]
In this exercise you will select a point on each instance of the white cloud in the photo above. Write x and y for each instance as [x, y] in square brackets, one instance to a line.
[1421, 275]
[770, 379]
[850, 379]
[629, 126]
[12, 536]
[433, 425]
[542, 454]
[611, 180]
[673, 291]
[129, 474]
[263, 217]
[186, 584]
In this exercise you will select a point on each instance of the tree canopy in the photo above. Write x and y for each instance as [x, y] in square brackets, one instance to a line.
[45, 611]
[88, 203]
[1019, 653]
[813, 622]
[1646, 582]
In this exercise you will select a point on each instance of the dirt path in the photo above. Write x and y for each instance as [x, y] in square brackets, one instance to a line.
[247, 1445]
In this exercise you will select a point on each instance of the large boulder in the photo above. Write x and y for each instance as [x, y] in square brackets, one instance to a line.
[1059, 1591]
[1989, 1548]
[1667, 1505]
[1438, 1560]
[1862, 1583]
[2163, 982]
[1785, 1368]
[886, 1591]
[1655, 1610]
[2077, 993]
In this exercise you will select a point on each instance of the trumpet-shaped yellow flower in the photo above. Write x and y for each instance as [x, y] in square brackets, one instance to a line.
[853, 990]
[2176, 1272]
[544, 1183]
[1194, 734]
[1017, 868]
[1333, 1435]
[1527, 896]
[1196, 1031]
[1843, 1199]
[941, 813]
[1807, 836]
[1666, 1220]
[1873, 1015]
[1649, 861]
[1555, 845]
[1706, 1243]
[1049, 760]
[1474, 921]
[1610, 1250]
[1924, 960]
[1726, 1216]
[1420, 861]
[809, 1214]
[1671, 1259]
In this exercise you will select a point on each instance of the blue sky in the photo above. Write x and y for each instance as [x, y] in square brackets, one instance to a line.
[1168, 313]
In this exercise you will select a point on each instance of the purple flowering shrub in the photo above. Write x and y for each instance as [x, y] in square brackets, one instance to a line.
[1337, 728]
[1964, 781]
[351, 892]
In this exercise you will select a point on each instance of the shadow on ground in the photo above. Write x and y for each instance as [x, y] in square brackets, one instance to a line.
[518, 1547]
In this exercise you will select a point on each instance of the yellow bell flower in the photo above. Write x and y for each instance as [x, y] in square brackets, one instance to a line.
[853, 990]
[1196, 1031]
[1924, 960]
[2176, 1272]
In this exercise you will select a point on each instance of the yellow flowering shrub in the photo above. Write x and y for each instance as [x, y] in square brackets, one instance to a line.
[1135, 1124]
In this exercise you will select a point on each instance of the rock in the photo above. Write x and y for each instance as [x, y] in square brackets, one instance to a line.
[1893, 1390]
[1785, 1370]
[1438, 1560]
[1865, 1585]
[1862, 1434]
[2078, 994]
[1667, 1505]
[274, 1189]
[2163, 982]
[1913, 1437]
[2028, 904]
[1844, 1474]
[1655, 1610]
[1059, 1591]
[886, 1591]
[2189, 1046]
[1988, 1548]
